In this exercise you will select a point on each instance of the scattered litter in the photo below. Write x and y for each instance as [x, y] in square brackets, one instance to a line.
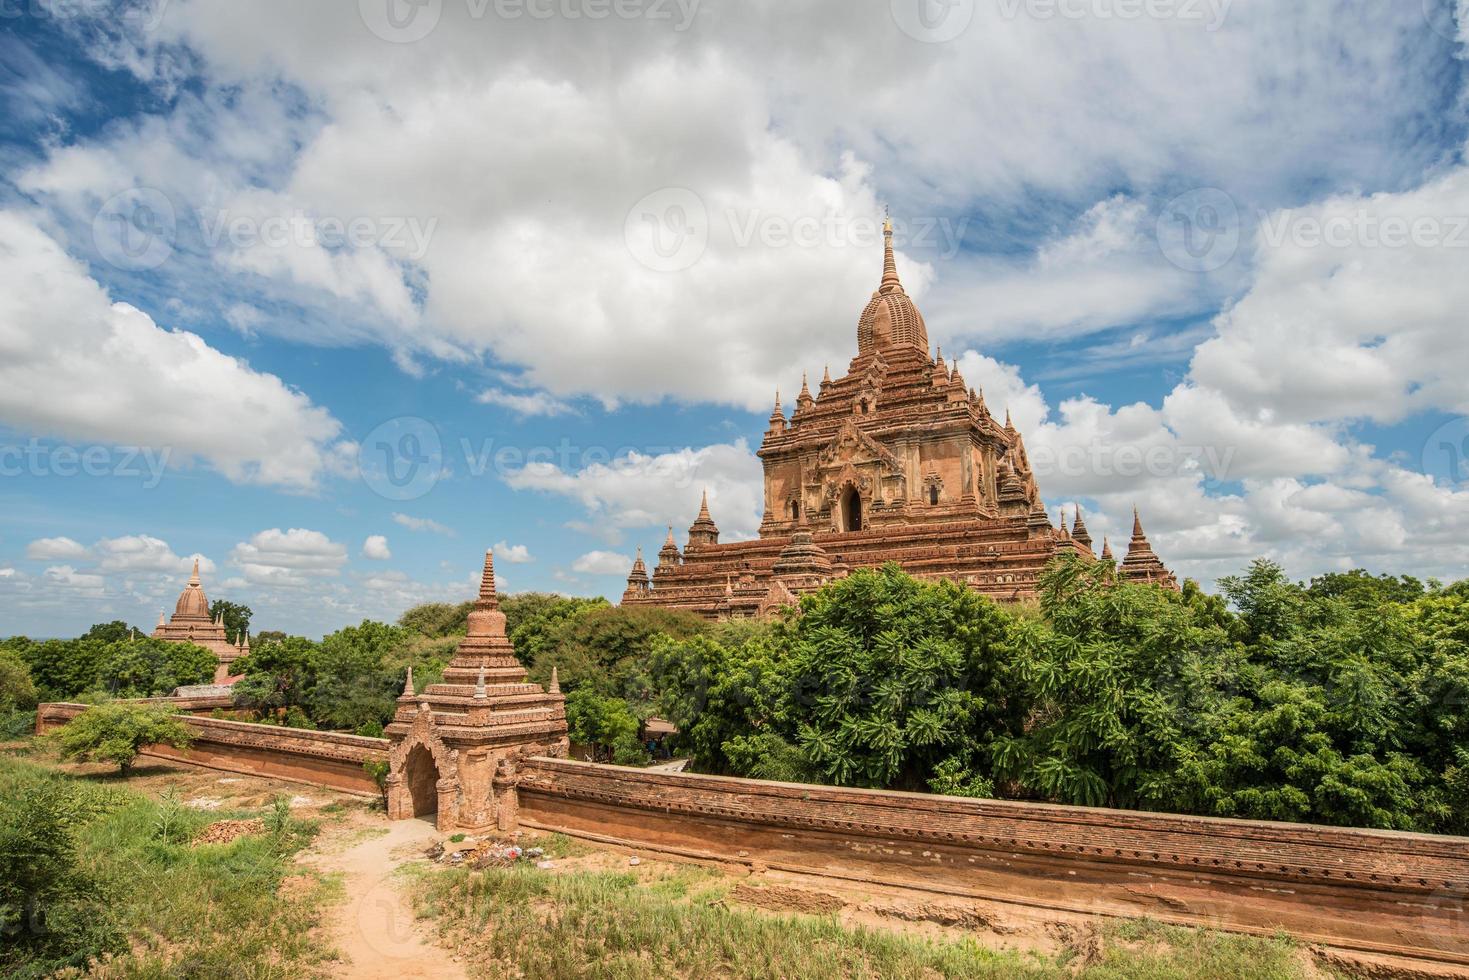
[224, 831]
[545, 865]
[634, 861]
[485, 854]
[204, 803]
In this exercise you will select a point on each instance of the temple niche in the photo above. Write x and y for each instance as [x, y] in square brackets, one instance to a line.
[456, 745]
[191, 623]
[896, 460]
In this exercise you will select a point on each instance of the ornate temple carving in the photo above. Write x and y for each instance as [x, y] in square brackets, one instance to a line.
[897, 460]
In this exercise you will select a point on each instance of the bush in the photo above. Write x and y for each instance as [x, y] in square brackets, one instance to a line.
[117, 732]
[17, 692]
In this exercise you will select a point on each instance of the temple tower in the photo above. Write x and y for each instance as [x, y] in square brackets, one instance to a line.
[456, 744]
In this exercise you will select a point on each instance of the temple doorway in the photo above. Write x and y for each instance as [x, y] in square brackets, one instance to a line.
[851, 510]
[421, 777]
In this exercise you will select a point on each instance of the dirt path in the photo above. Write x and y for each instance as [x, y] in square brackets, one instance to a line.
[374, 928]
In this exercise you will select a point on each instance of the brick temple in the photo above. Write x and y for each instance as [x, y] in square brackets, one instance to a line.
[191, 623]
[897, 460]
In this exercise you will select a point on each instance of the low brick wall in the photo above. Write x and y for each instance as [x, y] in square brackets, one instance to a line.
[326, 759]
[1376, 891]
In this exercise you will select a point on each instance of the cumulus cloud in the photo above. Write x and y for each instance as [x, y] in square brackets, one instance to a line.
[80, 367]
[55, 549]
[639, 490]
[602, 563]
[288, 558]
[375, 548]
[144, 553]
[515, 554]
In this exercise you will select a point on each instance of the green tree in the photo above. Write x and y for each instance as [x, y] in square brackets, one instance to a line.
[351, 683]
[278, 674]
[1112, 676]
[116, 732]
[236, 617]
[146, 667]
[63, 669]
[17, 692]
[607, 647]
[437, 619]
[113, 632]
[537, 621]
[592, 719]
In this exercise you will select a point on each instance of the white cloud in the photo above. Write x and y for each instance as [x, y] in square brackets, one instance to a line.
[515, 554]
[143, 553]
[524, 403]
[375, 548]
[423, 524]
[288, 558]
[55, 549]
[67, 577]
[638, 491]
[602, 563]
[80, 367]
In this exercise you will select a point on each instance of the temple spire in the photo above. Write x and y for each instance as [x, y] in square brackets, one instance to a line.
[826, 374]
[487, 581]
[194, 578]
[1106, 549]
[555, 687]
[480, 693]
[890, 282]
[407, 694]
[703, 530]
[1079, 531]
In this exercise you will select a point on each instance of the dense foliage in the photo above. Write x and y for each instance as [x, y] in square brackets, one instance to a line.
[1345, 701]
[110, 659]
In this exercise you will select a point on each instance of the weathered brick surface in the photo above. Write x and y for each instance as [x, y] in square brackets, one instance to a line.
[328, 759]
[1359, 888]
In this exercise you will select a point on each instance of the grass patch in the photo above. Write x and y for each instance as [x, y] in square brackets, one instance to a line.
[522, 921]
[140, 900]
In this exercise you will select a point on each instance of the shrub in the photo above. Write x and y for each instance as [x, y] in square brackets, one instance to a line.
[117, 732]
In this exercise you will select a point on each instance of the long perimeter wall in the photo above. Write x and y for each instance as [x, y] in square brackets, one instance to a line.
[320, 758]
[1375, 891]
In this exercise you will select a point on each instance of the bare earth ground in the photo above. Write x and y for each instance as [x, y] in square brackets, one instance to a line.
[375, 934]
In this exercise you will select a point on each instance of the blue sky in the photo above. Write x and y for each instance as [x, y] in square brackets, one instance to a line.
[252, 247]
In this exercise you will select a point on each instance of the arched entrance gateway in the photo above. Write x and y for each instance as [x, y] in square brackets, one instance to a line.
[851, 510]
[455, 745]
[421, 777]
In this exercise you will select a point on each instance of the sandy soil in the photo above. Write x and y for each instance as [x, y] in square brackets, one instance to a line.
[374, 929]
